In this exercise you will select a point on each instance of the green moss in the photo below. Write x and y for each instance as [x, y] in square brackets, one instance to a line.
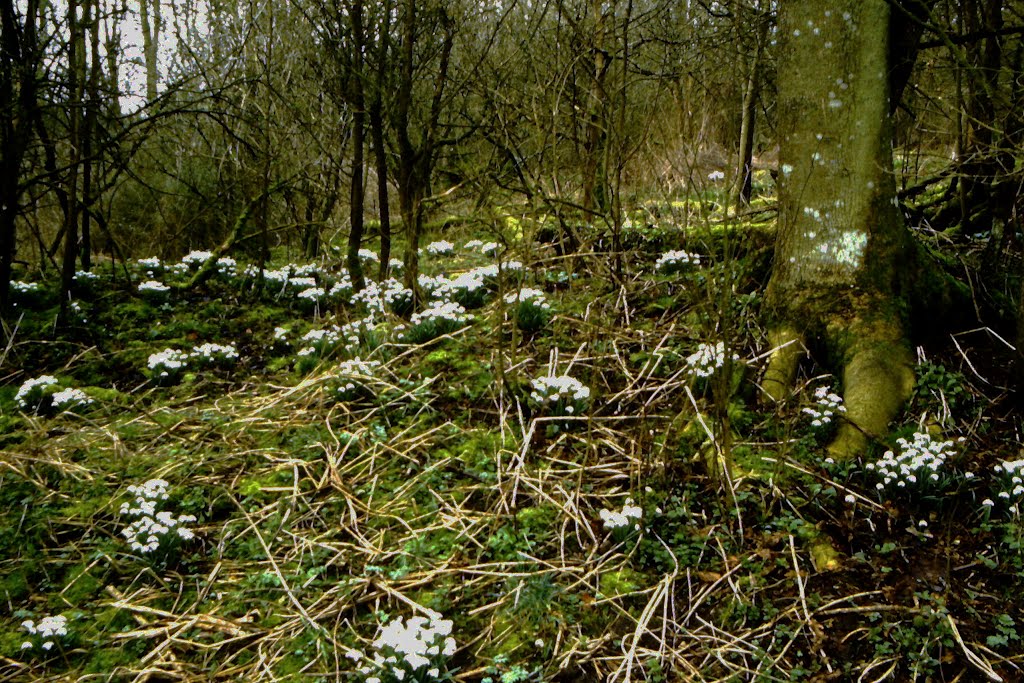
[621, 582]
[81, 585]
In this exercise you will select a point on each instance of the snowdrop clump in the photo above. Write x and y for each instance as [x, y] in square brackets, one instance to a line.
[69, 399]
[194, 259]
[320, 342]
[368, 255]
[312, 298]
[627, 518]
[227, 266]
[531, 308]
[353, 375]
[715, 176]
[45, 633]
[32, 392]
[708, 358]
[167, 365]
[826, 405]
[416, 650]
[214, 354]
[919, 464]
[440, 248]
[1010, 475]
[360, 332]
[151, 265]
[439, 318]
[561, 395]
[152, 527]
[153, 289]
[390, 294]
[672, 262]
[468, 289]
[19, 287]
[472, 244]
[84, 277]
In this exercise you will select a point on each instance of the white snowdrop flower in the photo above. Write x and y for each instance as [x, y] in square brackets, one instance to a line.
[922, 523]
[434, 673]
[715, 176]
[440, 248]
[676, 261]
[850, 498]
[153, 287]
[708, 358]
[988, 502]
[26, 645]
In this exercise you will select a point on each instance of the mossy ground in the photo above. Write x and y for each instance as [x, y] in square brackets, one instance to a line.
[444, 488]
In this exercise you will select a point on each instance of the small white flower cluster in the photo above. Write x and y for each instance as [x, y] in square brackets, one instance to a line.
[153, 287]
[708, 358]
[917, 464]
[562, 394]
[378, 297]
[194, 259]
[227, 266]
[715, 176]
[281, 334]
[153, 526]
[396, 264]
[32, 391]
[83, 276]
[20, 287]
[489, 248]
[450, 311]
[413, 651]
[473, 244]
[528, 295]
[1011, 476]
[150, 265]
[301, 283]
[320, 341]
[676, 261]
[70, 398]
[368, 255]
[312, 295]
[629, 516]
[440, 248]
[531, 309]
[826, 405]
[46, 631]
[353, 374]
[167, 363]
[214, 354]
[358, 331]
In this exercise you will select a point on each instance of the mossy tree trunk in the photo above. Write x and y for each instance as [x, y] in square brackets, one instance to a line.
[837, 274]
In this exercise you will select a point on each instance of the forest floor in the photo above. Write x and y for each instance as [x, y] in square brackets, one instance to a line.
[428, 504]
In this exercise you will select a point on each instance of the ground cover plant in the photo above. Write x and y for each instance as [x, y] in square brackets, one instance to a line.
[570, 481]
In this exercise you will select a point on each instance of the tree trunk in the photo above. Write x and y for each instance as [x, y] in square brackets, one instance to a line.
[19, 57]
[376, 115]
[355, 236]
[76, 77]
[751, 92]
[841, 242]
[150, 44]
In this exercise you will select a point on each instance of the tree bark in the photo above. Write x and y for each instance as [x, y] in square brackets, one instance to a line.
[19, 58]
[355, 237]
[841, 244]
